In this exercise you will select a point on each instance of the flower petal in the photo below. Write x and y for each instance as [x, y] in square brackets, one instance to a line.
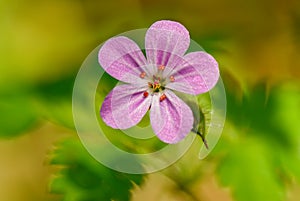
[198, 73]
[171, 119]
[125, 106]
[164, 40]
[122, 58]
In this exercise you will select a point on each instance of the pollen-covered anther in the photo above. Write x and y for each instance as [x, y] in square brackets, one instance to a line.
[142, 75]
[172, 79]
[146, 94]
[162, 97]
[161, 67]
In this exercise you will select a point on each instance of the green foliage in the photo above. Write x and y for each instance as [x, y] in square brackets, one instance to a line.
[255, 110]
[287, 117]
[21, 108]
[54, 100]
[249, 171]
[261, 143]
[18, 114]
[82, 178]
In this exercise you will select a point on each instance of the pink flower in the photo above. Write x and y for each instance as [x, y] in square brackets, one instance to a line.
[149, 82]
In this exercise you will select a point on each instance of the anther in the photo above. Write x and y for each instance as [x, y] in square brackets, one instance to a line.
[146, 94]
[161, 67]
[172, 79]
[142, 75]
[162, 97]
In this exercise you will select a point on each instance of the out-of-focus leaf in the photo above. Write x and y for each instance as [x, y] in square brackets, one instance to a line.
[261, 142]
[85, 179]
[248, 170]
[254, 111]
[287, 112]
[18, 114]
[287, 117]
[54, 100]
[22, 107]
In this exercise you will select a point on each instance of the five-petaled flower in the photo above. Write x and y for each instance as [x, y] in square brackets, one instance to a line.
[149, 83]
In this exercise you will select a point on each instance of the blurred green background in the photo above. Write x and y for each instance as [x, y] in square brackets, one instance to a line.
[256, 42]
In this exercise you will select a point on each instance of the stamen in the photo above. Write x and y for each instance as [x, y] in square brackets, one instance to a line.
[142, 75]
[150, 85]
[162, 97]
[155, 78]
[161, 67]
[146, 94]
[172, 79]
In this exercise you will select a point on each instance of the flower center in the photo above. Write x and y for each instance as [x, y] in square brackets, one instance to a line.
[157, 83]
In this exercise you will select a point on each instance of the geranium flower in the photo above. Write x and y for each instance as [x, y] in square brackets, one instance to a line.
[149, 83]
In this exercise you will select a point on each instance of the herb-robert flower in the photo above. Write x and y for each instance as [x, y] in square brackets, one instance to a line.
[149, 82]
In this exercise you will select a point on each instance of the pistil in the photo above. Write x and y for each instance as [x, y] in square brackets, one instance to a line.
[157, 83]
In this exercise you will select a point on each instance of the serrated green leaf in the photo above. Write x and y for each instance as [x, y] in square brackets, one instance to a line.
[85, 179]
[254, 111]
[262, 153]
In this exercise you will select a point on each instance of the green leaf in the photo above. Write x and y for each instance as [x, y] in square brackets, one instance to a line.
[85, 179]
[254, 111]
[261, 151]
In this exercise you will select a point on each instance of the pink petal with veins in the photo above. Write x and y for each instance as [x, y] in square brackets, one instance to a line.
[125, 106]
[198, 73]
[122, 59]
[164, 41]
[171, 119]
